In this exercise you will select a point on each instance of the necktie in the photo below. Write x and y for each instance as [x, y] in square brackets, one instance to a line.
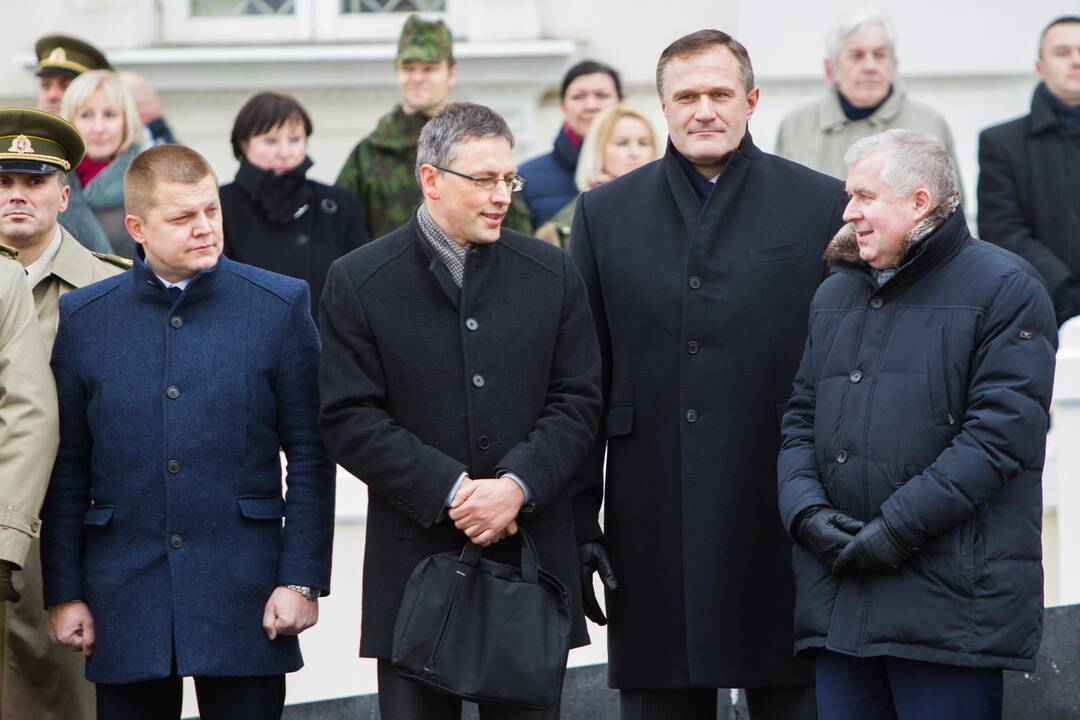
[173, 294]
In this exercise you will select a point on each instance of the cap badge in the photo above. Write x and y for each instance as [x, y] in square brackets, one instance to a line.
[58, 55]
[21, 145]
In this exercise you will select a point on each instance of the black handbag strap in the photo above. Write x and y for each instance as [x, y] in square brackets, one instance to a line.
[530, 561]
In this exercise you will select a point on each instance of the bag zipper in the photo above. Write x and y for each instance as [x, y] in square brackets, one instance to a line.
[429, 667]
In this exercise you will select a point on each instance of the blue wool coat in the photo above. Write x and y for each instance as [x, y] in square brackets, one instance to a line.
[549, 180]
[164, 512]
[925, 401]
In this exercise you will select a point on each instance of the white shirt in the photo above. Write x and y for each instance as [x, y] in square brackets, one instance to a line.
[182, 284]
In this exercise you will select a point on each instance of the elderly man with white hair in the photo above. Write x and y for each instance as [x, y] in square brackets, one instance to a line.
[913, 445]
[864, 97]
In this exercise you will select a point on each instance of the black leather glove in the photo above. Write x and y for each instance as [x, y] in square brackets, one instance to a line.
[8, 593]
[876, 549]
[825, 532]
[594, 558]
[1066, 298]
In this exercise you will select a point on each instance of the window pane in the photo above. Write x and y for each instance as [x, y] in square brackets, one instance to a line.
[392, 6]
[222, 8]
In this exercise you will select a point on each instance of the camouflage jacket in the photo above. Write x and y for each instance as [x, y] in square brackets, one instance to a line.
[380, 172]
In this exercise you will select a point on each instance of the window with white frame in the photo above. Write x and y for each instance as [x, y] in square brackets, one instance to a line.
[235, 22]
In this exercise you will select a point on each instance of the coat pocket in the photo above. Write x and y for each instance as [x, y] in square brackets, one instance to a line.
[938, 377]
[262, 508]
[776, 253]
[619, 420]
[98, 515]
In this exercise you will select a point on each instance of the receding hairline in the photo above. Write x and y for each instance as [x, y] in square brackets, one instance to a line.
[1059, 22]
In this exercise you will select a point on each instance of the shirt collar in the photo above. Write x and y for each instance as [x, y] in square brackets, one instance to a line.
[42, 267]
[182, 284]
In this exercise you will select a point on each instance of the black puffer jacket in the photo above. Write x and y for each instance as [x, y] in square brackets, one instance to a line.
[926, 401]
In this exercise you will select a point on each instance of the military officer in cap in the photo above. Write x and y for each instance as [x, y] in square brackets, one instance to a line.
[61, 59]
[381, 169]
[41, 680]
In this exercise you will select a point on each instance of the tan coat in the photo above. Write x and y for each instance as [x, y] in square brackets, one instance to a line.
[40, 680]
[818, 135]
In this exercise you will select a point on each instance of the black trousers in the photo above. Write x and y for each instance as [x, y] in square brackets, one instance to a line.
[771, 703]
[261, 697]
[889, 688]
[403, 699]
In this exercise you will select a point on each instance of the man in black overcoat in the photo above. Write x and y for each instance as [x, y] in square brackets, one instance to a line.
[700, 268]
[460, 380]
[1029, 172]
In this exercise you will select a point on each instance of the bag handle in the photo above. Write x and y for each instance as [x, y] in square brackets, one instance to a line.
[530, 560]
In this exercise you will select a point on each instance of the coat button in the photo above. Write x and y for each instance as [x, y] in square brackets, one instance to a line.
[176, 541]
[691, 416]
[876, 303]
[856, 376]
[692, 347]
[478, 380]
[301, 239]
[173, 466]
[483, 442]
[695, 282]
[472, 324]
[841, 457]
[172, 392]
[176, 321]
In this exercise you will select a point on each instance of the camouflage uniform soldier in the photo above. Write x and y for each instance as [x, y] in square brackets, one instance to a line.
[381, 169]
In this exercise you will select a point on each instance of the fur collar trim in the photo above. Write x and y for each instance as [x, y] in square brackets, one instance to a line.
[844, 247]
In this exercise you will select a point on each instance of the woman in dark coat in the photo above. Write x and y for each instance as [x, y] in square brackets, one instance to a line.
[275, 217]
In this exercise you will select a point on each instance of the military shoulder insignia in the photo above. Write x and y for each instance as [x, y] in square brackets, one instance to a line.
[122, 263]
[10, 252]
[21, 145]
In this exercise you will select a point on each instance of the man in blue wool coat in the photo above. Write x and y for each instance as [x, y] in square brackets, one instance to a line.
[164, 550]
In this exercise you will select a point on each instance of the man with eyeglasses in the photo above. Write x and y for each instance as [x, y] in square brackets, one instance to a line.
[460, 380]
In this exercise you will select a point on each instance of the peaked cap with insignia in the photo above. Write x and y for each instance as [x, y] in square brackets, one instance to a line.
[36, 142]
[427, 41]
[66, 55]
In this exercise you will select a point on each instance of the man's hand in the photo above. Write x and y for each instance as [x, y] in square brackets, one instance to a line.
[8, 593]
[875, 549]
[71, 626]
[594, 558]
[484, 509]
[288, 612]
[825, 532]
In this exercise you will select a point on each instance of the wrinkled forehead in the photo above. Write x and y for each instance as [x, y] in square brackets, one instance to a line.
[714, 68]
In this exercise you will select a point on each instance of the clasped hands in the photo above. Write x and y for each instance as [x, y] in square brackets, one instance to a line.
[842, 543]
[485, 509]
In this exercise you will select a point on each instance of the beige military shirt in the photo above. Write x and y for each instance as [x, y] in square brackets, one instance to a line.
[29, 427]
[73, 267]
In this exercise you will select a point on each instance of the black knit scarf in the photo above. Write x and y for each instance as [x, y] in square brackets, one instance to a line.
[281, 198]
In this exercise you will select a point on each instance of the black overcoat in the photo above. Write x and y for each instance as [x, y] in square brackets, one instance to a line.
[701, 319]
[1029, 192]
[926, 401]
[332, 225]
[422, 380]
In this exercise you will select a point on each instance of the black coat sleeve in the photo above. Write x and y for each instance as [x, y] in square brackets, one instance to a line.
[360, 434]
[587, 483]
[1002, 219]
[546, 459]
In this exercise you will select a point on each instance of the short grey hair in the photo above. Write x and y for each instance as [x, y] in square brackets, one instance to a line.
[912, 159]
[834, 41]
[457, 122]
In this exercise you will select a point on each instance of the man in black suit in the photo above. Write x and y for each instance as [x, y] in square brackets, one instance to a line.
[700, 268]
[460, 381]
[1029, 172]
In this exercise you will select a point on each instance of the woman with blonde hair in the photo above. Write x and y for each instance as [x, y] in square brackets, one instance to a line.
[620, 139]
[102, 110]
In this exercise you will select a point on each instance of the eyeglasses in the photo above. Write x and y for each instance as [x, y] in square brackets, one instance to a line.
[516, 183]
